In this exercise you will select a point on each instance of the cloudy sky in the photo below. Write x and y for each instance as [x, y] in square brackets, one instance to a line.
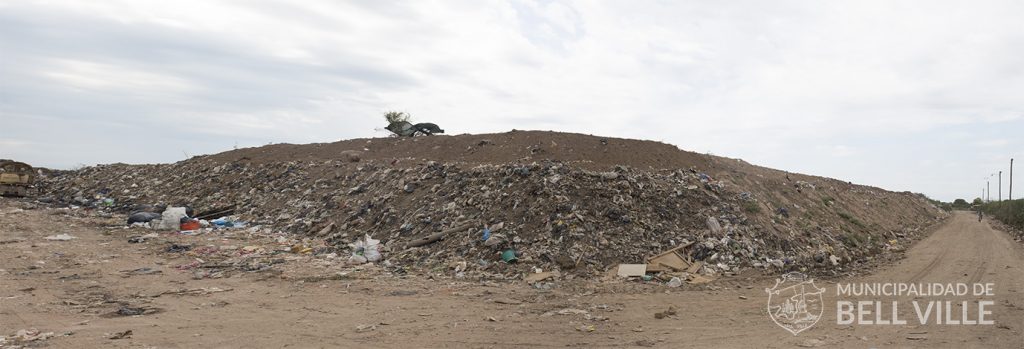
[923, 96]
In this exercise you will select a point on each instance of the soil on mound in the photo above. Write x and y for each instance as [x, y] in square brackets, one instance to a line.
[567, 202]
[587, 151]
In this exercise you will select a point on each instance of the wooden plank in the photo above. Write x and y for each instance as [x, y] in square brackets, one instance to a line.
[627, 270]
[429, 239]
[671, 250]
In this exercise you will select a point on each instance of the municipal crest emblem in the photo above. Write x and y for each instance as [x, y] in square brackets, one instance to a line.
[795, 303]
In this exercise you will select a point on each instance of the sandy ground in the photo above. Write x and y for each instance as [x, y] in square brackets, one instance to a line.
[75, 288]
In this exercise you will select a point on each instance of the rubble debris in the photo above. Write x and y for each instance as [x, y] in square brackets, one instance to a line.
[141, 271]
[31, 335]
[438, 236]
[176, 248]
[217, 212]
[508, 301]
[575, 212]
[193, 291]
[671, 311]
[541, 276]
[125, 310]
[674, 260]
[121, 335]
[565, 311]
[586, 328]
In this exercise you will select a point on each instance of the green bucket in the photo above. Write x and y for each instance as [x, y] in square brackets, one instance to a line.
[509, 256]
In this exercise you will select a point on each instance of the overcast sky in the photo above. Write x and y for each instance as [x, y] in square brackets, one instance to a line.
[924, 96]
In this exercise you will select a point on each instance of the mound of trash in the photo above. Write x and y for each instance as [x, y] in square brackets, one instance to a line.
[550, 210]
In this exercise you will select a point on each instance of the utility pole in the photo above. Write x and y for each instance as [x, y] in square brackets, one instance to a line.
[988, 190]
[1011, 178]
[1000, 185]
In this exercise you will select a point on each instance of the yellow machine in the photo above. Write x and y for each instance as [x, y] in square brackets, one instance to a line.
[15, 178]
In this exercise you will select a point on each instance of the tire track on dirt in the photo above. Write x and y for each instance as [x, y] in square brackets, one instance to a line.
[978, 272]
[928, 268]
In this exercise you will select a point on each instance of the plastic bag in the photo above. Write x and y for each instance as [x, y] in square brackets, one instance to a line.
[365, 250]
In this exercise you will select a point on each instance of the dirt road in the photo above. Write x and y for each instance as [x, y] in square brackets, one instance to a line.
[76, 288]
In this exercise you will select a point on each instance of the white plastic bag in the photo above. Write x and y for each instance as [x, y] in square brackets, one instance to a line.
[171, 218]
[365, 250]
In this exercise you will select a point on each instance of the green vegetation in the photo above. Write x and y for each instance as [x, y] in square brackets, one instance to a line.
[396, 116]
[855, 239]
[828, 200]
[751, 207]
[961, 204]
[1009, 212]
[852, 219]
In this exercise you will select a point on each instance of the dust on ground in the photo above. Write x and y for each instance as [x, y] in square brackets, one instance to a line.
[99, 290]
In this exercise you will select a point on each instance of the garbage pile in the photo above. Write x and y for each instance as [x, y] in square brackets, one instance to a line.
[505, 220]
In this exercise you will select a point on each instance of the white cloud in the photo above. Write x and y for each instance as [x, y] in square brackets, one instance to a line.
[784, 84]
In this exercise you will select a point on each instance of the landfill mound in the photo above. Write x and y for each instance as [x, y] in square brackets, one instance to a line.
[574, 203]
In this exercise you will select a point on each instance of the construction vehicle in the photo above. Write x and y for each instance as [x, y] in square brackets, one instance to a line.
[16, 178]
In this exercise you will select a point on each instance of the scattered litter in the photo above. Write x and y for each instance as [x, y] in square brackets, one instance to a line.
[31, 335]
[142, 217]
[586, 328]
[193, 291]
[811, 343]
[582, 215]
[509, 256]
[918, 336]
[133, 311]
[129, 311]
[671, 311]
[141, 271]
[176, 248]
[121, 335]
[60, 237]
[365, 250]
[507, 301]
[535, 277]
[677, 259]
[566, 311]
[171, 218]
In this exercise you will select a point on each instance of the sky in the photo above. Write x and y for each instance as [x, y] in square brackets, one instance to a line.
[921, 96]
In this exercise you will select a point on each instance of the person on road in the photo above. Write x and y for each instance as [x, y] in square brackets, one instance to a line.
[979, 214]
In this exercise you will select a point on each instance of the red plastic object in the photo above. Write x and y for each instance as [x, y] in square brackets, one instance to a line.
[190, 225]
